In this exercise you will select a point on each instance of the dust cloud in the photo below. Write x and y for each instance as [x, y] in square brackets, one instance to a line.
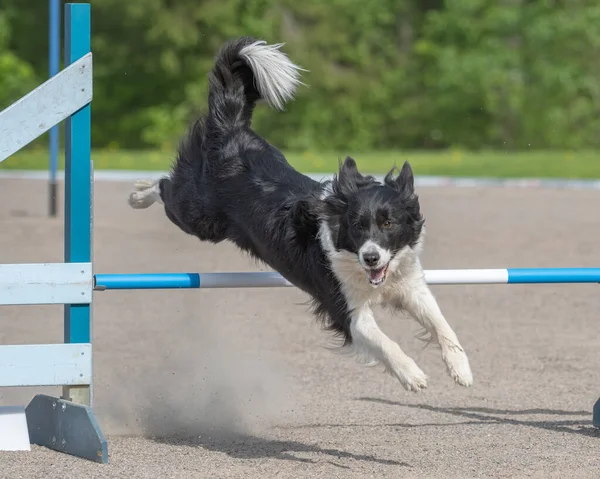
[208, 383]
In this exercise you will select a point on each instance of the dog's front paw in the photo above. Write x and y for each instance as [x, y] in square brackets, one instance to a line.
[457, 364]
[410, 375]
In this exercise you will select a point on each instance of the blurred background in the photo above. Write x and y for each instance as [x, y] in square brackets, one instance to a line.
[458, 87]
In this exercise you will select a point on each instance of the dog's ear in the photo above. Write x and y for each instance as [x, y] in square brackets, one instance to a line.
[344, 184]
[349, 179]
[348, 167]
[404, 182]
[406, 179]
[349, 176]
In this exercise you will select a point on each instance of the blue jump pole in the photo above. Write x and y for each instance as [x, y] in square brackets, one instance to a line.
[78, 182]
[54, 65]
[271, 279]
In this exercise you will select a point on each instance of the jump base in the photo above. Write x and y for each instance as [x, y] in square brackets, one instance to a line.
[66, 427]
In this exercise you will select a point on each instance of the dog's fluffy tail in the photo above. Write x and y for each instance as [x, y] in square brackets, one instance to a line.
[247, 70]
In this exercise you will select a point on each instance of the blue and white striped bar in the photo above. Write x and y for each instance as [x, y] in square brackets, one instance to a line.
[513, 276]
[189, 280]
[271, 280]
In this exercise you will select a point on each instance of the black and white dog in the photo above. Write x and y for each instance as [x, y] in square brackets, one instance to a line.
[348, 243]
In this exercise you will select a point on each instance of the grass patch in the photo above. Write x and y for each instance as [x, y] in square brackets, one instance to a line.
[538, 164]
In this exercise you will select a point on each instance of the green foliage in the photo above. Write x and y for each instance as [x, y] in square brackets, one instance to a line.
[515, 73]
[16, 75]
[508, 74]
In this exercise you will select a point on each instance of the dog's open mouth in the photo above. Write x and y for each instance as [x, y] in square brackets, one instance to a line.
[377, 276]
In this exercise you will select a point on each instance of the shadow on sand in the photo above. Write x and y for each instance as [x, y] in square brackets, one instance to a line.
[483, 416]
[246, 446]
[243, 446]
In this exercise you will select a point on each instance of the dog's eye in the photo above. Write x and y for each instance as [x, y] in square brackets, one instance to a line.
[387, 224]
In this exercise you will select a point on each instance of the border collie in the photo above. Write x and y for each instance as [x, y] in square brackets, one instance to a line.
[348, 243]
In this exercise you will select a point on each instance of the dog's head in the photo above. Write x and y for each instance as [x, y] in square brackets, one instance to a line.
[375, 222]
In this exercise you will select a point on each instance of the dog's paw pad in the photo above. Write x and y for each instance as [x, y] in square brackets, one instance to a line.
[458, 365]
[411, 377]
[416, 383]
[145, 194]
[140, 200]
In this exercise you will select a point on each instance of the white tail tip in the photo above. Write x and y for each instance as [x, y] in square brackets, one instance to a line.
[276, 75]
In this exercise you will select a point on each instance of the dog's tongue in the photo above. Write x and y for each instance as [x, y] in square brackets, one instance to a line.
[376, 274]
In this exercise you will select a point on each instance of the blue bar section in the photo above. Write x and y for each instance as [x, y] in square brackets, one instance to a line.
[553, 275]
[148, 281]
[78, 187]
[54, 59]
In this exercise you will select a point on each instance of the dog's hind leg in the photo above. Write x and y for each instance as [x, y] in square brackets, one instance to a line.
[414, 296]
[145, 194]
[148, 192]
[370, 343]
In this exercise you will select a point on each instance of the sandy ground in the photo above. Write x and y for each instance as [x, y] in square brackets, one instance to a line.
[239, 383]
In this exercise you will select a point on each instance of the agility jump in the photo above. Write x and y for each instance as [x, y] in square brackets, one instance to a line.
[67, 424]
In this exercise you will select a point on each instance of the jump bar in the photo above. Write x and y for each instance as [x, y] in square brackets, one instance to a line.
[272, 280]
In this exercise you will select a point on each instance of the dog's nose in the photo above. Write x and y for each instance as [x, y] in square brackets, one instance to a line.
[371, 258]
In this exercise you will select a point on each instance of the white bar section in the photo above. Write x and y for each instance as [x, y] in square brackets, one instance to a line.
[466, 276]
[432, 276]
[242, 280]
[46, 283]
[14, 434]
[45, 364]
[49, 104]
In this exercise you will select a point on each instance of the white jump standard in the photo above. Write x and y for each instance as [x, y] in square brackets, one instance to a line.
[66, 424]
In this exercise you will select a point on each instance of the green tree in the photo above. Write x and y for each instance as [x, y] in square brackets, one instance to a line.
[507, 74]
[16, 76]
[513, 73]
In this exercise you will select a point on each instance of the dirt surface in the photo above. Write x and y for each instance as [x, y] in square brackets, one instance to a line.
[240, 384]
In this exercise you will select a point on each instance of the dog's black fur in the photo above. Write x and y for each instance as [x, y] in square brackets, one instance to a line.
[228, 183]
